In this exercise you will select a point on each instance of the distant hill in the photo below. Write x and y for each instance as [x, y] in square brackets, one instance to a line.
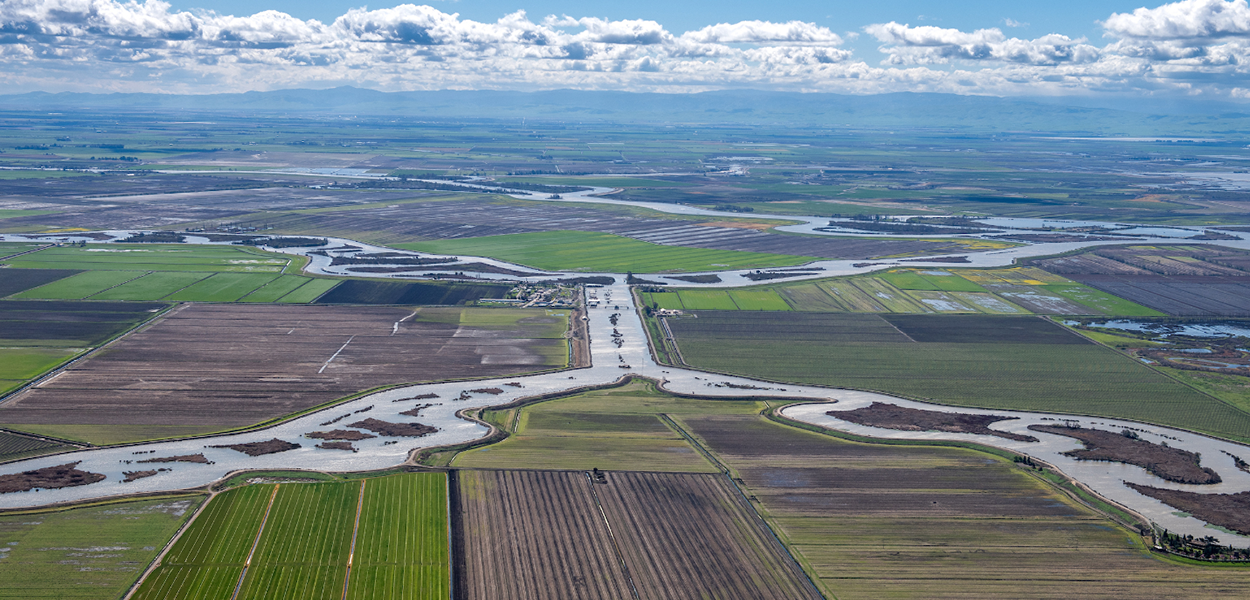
[945, 112]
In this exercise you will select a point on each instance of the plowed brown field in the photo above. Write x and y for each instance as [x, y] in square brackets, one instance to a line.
[212, 367]
[556, 534]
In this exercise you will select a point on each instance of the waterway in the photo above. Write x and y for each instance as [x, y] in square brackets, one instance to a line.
[610, 362]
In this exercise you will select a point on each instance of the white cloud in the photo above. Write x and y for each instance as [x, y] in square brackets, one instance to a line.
[1195, 46]
[1188, 19]
[907, 45]
[1010, 22]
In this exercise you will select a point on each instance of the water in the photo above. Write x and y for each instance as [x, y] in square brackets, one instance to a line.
[1166, 329]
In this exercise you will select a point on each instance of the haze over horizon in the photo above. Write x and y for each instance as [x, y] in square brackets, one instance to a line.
[1192, 48]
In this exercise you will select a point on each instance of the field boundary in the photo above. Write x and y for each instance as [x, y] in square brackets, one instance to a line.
[57, 370]
[156, 562]
[351, 552]
[742, 495]
[616, 546]
[255, 542]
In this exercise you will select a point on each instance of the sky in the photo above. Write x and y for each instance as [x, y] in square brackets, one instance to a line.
[1060, 48]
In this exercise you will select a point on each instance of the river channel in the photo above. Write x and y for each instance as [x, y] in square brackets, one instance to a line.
[610, 363]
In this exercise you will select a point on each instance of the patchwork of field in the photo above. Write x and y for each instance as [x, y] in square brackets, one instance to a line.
[1175, 280]
[646, 535]
[150, 272]
[88, 552]
[620, 428]
[212, 367]
[1009, 362]
[464, 217]
[876, 521]
[16, 280]
[38, 336]
[602, 253]
[1019, 291]
[295, 541]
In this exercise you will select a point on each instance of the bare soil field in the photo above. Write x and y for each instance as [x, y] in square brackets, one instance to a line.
[642, 535]
[1172, 464]
[48, 478]
[891, 416]
[875, 521]
[1231, 511]
[206, 368]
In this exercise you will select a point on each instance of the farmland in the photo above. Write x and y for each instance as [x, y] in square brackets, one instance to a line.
[153, 257]
[863, 519]
[86, 552]
[39, 336]
[986, 361]
[872, 521]
[356, 291]
[147, 272]
[302, 551]
[644, 541]
[1014, 290]
[1175, 280]
[619, 428]
[253, 362]
[601, 253]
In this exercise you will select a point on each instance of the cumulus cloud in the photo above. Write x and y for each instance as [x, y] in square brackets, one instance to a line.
[1188, 19]
[926, 44]
[1194, 46]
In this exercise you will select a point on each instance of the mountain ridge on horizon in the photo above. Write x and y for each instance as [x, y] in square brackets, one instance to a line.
[906, 110]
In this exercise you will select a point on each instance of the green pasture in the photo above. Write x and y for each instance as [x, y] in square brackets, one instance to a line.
[152, 286]
[222, 287]
[153, 257]
[82, 285]
[275, 289]
[86, 553]
[601, 253]
[26, 363]
[309, 291]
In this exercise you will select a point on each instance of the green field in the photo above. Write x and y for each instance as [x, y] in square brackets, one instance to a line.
[90, 552]
[309, 291]
[616, 428]
[707, 300]
[276, 289]
[601, 253]
[401, 546]
[154, 257]
[152, 286]
[80, 286]
[222, 287]
[302, 553]
[982, 361]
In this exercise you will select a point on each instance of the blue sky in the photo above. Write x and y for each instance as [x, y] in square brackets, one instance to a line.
[1180, 49]
[1074, 18]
